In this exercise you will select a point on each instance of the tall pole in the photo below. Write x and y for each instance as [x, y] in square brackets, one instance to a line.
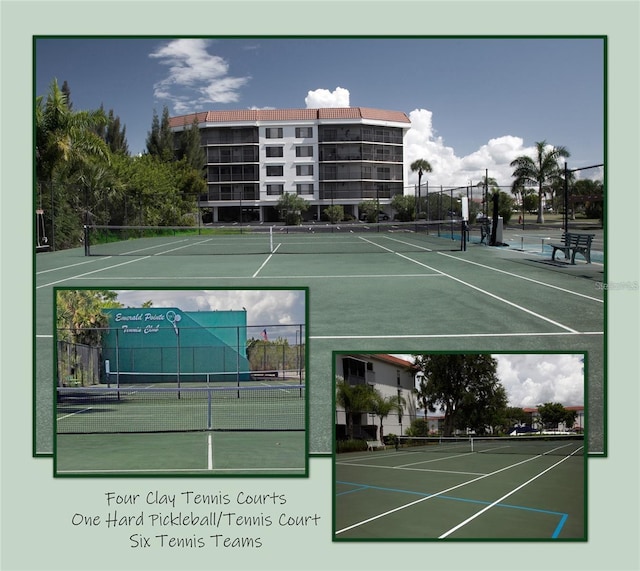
[427, 198]
[566, 198]
[486, 191]
[419, 183]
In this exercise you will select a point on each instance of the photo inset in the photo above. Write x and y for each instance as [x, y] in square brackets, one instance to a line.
[181, 382]
[460, 446]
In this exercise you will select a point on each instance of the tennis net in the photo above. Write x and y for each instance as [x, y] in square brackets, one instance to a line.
[320, 238]
[544, 444]
[103, 410]
[135, 379]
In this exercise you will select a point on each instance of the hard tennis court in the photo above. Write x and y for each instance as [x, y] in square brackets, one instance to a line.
[194, 430]
[464, 488]
[389, 291]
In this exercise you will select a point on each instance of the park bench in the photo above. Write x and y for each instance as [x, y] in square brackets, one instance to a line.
[259, 374]
[71, 381]
[373, 444]
[573, 243]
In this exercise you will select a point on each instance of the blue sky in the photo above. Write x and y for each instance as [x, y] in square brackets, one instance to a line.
[475, 104]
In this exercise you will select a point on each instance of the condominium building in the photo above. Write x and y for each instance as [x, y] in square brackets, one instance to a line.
[393, 378]
[328, 156]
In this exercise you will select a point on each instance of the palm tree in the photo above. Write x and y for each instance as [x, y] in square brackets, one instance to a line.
[66, 141]
[383, 406]
[423, 394]
[541, 171]
[66, 138]
[420, 166]
[354, 399]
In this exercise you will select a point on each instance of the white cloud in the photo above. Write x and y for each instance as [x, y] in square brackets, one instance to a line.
[423, 142]
[318, 98]
[264, 307]
[195, 77]
[533, 379]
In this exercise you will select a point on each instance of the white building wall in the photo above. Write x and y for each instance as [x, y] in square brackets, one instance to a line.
[384, 378]
[289, 161]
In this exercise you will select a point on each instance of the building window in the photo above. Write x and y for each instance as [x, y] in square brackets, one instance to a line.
[232, 173]
[304, 132]
[330, 135]
[275, 170]
[273, 132]
[304, 188]
[383, 173]
[275, 189]
[304, 170]
[306, 151]
[275, 151]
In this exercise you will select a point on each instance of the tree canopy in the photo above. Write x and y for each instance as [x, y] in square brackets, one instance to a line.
[543, 170]
[290, 208]
[464, 386]
[553, 413]
[79, 314]
[85, 174]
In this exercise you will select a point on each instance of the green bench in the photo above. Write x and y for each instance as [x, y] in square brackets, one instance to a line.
[573, 243]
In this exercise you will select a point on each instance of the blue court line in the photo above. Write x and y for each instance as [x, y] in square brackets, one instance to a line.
[362, 487]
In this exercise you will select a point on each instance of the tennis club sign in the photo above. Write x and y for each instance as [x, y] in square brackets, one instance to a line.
[145, 322]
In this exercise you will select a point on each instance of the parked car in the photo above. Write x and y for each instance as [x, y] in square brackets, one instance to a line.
[381, 216]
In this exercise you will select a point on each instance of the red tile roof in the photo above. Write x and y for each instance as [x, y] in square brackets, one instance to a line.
[252, 115]
[394, 360]
[535, 408]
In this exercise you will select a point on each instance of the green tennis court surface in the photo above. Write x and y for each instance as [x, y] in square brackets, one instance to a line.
[500, 490]
[316, 239]
[249, 429]
[262, 453]
[144, 409]
[390, 300]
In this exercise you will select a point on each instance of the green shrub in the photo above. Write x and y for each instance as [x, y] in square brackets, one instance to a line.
[351, 446]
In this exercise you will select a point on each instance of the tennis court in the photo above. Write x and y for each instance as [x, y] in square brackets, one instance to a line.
[376, 291]
[239, 430]
[464, 488]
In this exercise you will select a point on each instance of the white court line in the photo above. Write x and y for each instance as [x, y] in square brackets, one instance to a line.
[319, 277]
[92, 272]
[154, 247]
[564, 290]
[458, 335]
[182, 247]
[466, 521]
[413, 469]
[501, 299]
[284, 470]
[71, 265]
[430, 496]
[210, 453]
[265, 262]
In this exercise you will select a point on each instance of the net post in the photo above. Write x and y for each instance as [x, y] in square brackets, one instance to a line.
[271, 239]
[85, 237]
